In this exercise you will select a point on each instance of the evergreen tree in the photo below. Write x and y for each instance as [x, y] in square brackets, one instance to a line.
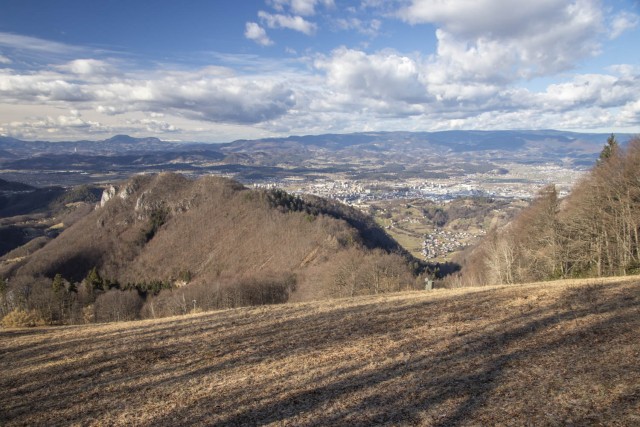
[94, 280]
[73, 288]
[58, 283]
[609, 150]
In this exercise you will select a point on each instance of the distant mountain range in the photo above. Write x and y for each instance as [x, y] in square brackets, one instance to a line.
[457, 140]
[408, 152]
[552, 141]
[116, 145]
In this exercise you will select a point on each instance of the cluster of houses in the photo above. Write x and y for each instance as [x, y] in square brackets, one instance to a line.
[439, 243]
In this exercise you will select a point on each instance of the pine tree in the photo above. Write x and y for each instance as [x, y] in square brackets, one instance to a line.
[609, 150]
[73, 288]
[58, 284]
[94, 280]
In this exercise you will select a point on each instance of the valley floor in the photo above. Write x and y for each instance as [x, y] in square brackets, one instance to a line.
[559, 353]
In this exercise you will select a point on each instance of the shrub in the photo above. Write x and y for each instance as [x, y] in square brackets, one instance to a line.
[19, 318]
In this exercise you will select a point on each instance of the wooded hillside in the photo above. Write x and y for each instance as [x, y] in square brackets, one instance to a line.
[594, 232]
[164, 244]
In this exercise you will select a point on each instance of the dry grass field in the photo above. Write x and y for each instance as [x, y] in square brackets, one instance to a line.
[559, 353]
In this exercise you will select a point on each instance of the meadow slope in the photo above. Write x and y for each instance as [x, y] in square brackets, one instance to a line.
[560, 353]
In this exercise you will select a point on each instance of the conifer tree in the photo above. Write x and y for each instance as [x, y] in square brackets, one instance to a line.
[94, 280]
[609, 150]
[58, 284]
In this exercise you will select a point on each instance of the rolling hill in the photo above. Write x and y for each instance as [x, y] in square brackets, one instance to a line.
[559, 353]
[28, 213]
[213, 232]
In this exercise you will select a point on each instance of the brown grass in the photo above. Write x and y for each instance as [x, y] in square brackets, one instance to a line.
[559, 353]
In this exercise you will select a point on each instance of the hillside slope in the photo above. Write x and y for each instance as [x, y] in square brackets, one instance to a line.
[560, 353]
[215, 232]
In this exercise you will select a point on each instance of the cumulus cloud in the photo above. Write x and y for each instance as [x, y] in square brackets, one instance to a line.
[206, 95]
[155, 126]
[86, 67]
[40, 87]
[480, 17]
[630, 114]
[382, 76]
[385, 85]
[591, 90]
[296, 23]
[51, 126]
[230, 100]
[533, 39]
[255, 32]
[111, 110]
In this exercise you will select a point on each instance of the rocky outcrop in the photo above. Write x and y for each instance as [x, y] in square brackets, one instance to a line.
[107, 195]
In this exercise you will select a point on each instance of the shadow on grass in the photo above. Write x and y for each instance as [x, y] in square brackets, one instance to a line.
[465, 373]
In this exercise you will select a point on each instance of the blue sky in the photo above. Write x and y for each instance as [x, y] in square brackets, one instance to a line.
[223, 70]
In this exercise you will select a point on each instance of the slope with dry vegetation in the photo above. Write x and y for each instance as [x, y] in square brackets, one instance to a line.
[561, 353]
[165, 245]
[593, 232]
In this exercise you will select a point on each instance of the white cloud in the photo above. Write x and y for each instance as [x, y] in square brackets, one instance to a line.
[88, 67]
[255, 32]
[296, 23]
[598, 90]
[622, 22]
[53, 126]
[205, 94]
[480, 40]
[630, 114]
[300, 7]
[480, 17]
[155, 126]
[386, 77]
[40, 87]
[5, 60]
[384, 86]
[111, 110]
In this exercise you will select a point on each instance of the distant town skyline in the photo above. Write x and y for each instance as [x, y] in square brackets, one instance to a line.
[222, 70]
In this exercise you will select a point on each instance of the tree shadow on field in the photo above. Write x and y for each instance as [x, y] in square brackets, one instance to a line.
[459, 374]
[456, 385]
[136, 357]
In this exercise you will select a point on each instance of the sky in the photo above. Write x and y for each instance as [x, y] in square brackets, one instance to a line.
[221, 70]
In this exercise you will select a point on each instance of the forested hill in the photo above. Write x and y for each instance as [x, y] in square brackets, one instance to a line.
[594, 232]
[157, 242]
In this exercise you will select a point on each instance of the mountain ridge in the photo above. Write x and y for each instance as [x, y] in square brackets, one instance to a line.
[335, 139]
[212, 232]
